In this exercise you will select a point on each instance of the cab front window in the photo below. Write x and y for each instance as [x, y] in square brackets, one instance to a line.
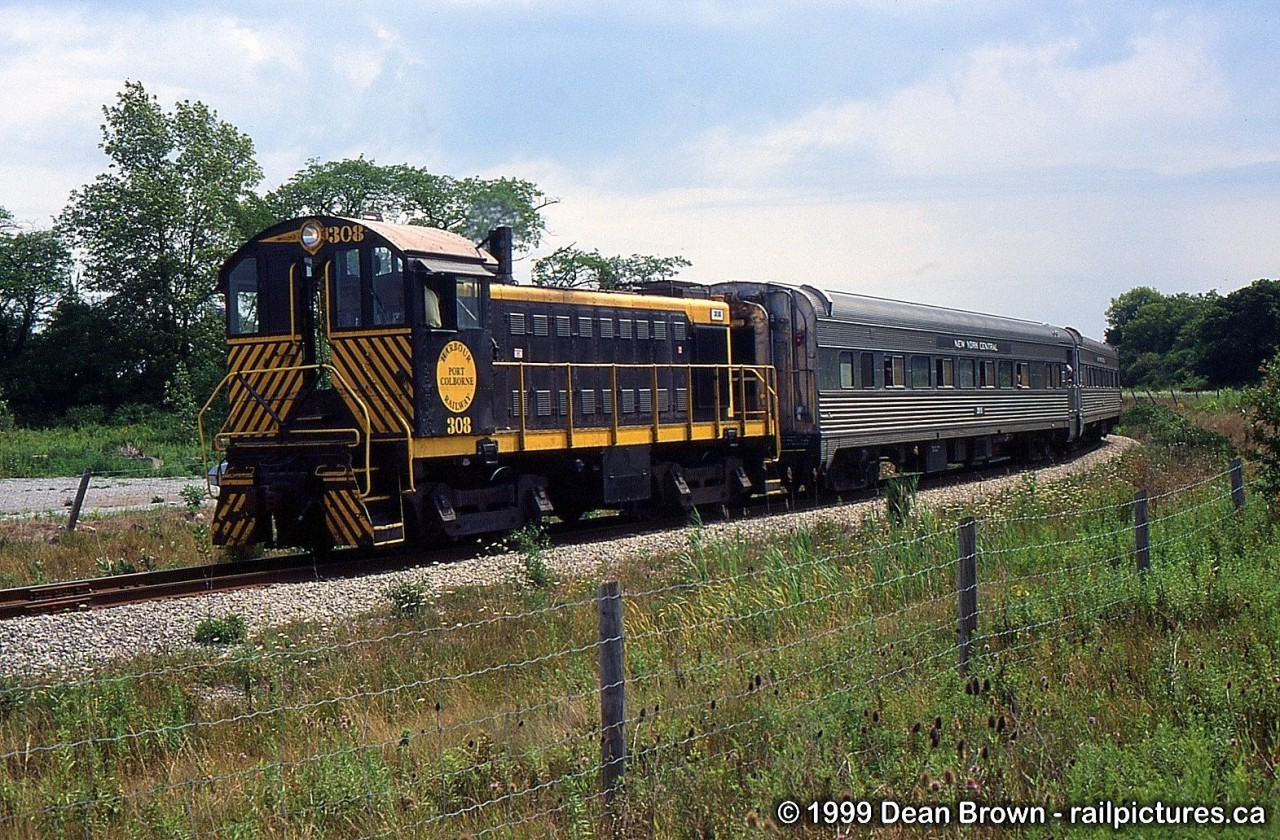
[367, 288]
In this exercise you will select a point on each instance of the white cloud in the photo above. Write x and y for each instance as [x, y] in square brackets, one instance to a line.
[1006, 108]
[59, 68]
[1044, 255]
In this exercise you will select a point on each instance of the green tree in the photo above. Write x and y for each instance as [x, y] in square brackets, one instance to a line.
[78, 359]
[1157, 335]
[407, 194]
[571, 268]
[1240, 333]
[35, 271]
[154, 228]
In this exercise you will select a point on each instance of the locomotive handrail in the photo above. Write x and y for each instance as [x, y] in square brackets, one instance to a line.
[240, 374]
[737, 413]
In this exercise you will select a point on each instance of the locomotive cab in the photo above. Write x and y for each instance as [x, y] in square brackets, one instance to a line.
[325, 318]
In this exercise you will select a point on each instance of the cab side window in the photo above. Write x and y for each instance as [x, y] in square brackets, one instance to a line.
[468, 304]
[242, 298]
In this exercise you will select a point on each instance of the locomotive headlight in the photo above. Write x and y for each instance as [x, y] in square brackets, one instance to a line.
[215, 478]
[312, 235]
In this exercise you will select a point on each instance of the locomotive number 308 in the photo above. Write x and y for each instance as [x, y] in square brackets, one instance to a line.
[457, 425]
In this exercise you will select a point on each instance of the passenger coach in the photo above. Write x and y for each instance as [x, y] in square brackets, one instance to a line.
[865, 381]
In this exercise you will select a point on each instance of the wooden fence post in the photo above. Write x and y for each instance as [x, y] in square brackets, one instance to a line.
[1141, 532]
[613, 706]
[1237, 483]
[967, 590]
[75, 506]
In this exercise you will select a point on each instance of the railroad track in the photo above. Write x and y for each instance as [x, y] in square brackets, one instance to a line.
[117, 590]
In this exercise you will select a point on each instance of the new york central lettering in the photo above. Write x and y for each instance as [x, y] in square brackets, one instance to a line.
[975, 345]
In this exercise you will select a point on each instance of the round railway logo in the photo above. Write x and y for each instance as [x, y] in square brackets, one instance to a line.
[456, 376]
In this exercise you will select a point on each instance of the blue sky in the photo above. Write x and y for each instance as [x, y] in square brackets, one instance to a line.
[1025, 158]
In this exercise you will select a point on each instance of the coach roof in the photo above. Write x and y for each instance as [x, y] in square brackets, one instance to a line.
[864, 309]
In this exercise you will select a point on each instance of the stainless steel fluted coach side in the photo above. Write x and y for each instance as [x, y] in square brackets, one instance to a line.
[869, 381]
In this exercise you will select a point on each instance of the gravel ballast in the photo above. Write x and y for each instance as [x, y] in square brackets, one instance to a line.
[75, 643]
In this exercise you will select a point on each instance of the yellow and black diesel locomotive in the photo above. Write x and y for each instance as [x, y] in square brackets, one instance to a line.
[389, 382]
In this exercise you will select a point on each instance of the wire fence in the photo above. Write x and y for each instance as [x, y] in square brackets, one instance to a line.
[541, 717]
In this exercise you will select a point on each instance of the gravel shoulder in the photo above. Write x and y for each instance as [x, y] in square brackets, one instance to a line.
[31, 496]
[76, 643]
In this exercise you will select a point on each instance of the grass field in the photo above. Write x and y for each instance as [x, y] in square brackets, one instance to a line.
[815, 664]
[159, 446]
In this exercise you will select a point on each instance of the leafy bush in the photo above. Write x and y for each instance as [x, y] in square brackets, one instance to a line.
[228, 630]
[1161, 425]
[1261, 407]
[532, 542]
[408, 599]
[193, 497]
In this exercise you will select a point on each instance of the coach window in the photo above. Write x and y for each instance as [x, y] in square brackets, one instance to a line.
[1021, 375]
[894, 372]
[1005, 372]
[388, 288]
[347, 313]
[1039, 375]
[945, 373]
[920, 371]
[846, 371]
[868, 365]
[242, 298]
[965, 377]
[986, 374]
